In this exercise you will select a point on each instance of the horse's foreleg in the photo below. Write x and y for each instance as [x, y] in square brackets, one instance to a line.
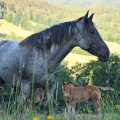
[2, 99]
[49, 91]
[1, 95]
[24, 92]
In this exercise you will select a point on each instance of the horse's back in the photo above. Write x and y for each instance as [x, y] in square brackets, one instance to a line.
[7, 48]
[7, 44]
[8, 59]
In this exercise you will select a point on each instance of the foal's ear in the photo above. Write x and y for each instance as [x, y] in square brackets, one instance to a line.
[64, 83]
[91, 17]
[68, 82]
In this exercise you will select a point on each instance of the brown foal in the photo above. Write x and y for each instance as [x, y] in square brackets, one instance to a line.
[38, 97]
[73, 95]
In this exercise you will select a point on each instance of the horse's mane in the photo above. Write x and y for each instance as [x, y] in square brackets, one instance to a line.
[55, 34]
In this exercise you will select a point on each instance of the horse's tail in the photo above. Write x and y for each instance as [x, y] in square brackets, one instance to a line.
[106, 88]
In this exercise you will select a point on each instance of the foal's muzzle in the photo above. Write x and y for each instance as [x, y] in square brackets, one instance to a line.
[67, 96]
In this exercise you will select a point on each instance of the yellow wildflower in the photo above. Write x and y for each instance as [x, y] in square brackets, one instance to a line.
[117, 105]
[49, 117]
[35, 118]
[61, 114]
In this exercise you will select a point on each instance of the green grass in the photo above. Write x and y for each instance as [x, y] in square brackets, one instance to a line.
[61, 116]
[110, 111]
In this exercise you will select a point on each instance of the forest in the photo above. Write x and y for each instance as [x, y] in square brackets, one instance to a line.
[81, 3]
[45, 15]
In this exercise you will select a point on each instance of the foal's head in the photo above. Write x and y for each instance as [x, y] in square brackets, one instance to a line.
[66, 88]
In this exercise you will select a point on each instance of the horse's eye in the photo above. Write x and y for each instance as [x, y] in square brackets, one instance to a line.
[64, 89]
[92, 31]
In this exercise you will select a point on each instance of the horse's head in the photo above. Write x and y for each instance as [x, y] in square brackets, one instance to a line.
[66, 88]
[88, 38]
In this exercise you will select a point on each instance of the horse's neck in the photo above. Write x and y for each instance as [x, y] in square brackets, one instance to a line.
[58, 53]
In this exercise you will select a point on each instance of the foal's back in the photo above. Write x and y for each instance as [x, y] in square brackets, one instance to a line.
[92, 91]
[83, 93]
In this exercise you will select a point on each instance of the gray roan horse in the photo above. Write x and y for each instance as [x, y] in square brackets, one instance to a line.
[46, 50]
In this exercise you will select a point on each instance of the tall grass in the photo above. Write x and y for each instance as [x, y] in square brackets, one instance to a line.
[110, 107]
[110, 110]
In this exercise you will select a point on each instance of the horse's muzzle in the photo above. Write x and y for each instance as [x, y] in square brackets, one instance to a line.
[104, 58]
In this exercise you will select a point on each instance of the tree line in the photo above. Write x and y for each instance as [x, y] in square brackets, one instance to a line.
[78, 3]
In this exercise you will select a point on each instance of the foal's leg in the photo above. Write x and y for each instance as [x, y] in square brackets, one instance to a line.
[69, 108]
[97, 105]
[66, 101]
[73, 107]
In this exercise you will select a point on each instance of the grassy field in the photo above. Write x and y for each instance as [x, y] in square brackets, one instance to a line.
[7, 28]
[33, 23]
[72, 58]
[37, 116]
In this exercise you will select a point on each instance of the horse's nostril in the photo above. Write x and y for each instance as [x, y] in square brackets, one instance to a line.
[106, 54]
[100, 56]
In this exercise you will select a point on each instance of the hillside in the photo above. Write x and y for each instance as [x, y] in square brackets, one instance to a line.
[38, 15]
[6, 29]
[71, 59]
[83, 3]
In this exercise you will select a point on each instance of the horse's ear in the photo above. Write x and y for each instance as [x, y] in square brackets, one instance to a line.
[64, 83]
[91, 17]
[68, 82]
[85, 17]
